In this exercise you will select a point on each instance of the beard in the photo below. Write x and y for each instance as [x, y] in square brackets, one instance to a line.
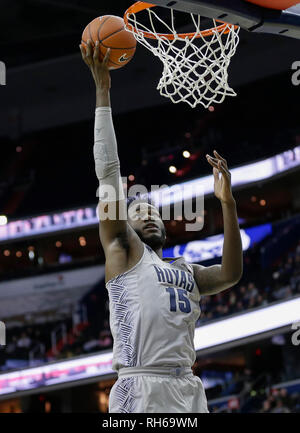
[154, 240]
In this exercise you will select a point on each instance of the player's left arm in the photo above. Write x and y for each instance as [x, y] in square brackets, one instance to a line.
[216, 278]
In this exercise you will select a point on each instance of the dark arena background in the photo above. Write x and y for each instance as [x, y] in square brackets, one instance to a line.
[53, 301]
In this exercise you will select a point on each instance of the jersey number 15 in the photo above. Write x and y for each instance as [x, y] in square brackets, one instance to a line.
[183, 302]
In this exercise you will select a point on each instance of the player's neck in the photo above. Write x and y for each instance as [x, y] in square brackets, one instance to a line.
[159, 252]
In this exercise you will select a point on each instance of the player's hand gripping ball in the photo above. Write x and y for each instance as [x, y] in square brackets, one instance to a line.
[110, 31]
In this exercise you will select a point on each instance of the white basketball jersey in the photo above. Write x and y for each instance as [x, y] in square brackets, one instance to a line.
[153, 310]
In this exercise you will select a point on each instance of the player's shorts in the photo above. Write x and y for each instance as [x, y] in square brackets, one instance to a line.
[157, 390]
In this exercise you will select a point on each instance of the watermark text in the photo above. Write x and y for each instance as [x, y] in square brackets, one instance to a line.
[2, 334]
[2, 74]
[296, 335]
[296, 74]
[177, 202]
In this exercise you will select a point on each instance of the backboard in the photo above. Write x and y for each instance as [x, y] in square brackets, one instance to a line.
[251, 15]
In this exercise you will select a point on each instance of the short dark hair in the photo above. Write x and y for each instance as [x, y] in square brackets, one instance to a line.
[139, 198]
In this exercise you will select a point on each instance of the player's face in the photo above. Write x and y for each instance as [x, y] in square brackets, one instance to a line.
[147, 223]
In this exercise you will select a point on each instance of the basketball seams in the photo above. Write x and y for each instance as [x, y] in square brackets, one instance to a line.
[115, 48]
[91, 31]
[110, 61]
[108, 36]
[101, 24]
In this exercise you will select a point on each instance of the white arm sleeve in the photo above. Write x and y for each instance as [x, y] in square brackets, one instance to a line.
[107, 162]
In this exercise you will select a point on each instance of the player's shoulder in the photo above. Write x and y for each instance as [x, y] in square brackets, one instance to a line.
[181, 263]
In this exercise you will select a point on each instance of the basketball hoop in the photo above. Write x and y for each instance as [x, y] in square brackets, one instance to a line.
[196, 63]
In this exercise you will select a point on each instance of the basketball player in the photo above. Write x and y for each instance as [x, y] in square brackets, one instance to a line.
[154, 303]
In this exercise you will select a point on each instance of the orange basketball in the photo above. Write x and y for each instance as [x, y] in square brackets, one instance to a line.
[110, 31]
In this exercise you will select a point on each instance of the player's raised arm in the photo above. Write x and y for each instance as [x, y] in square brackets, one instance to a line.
[214, 279]
[116, 235]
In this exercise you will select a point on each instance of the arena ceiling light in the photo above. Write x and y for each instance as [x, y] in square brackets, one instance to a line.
[3, 220]
[243, 175]
[85, 217]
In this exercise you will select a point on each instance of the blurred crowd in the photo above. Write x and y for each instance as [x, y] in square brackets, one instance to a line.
[21, 343]
[33, 345]
[249, 392]
[272, 401]
[280, 401]
[282, 283]
[86, 342]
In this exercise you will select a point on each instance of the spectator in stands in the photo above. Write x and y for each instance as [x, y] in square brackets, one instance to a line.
[11, 346]
[23, 346]
[295, 281]
[105, 339]
[295, 402]
[285, 397]
[256, 292]
[239, 307]
[280, 407]
[266, 408]
[242, 291]
[252, 292]
[91, 345]
[232, 302]
[24, 342]
[280, 402]
[251, 303]
[37, 337]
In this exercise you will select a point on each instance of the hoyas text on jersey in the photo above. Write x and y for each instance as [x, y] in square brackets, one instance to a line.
[175, 277]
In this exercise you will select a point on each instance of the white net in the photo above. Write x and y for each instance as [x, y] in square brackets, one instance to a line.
[195, 68]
